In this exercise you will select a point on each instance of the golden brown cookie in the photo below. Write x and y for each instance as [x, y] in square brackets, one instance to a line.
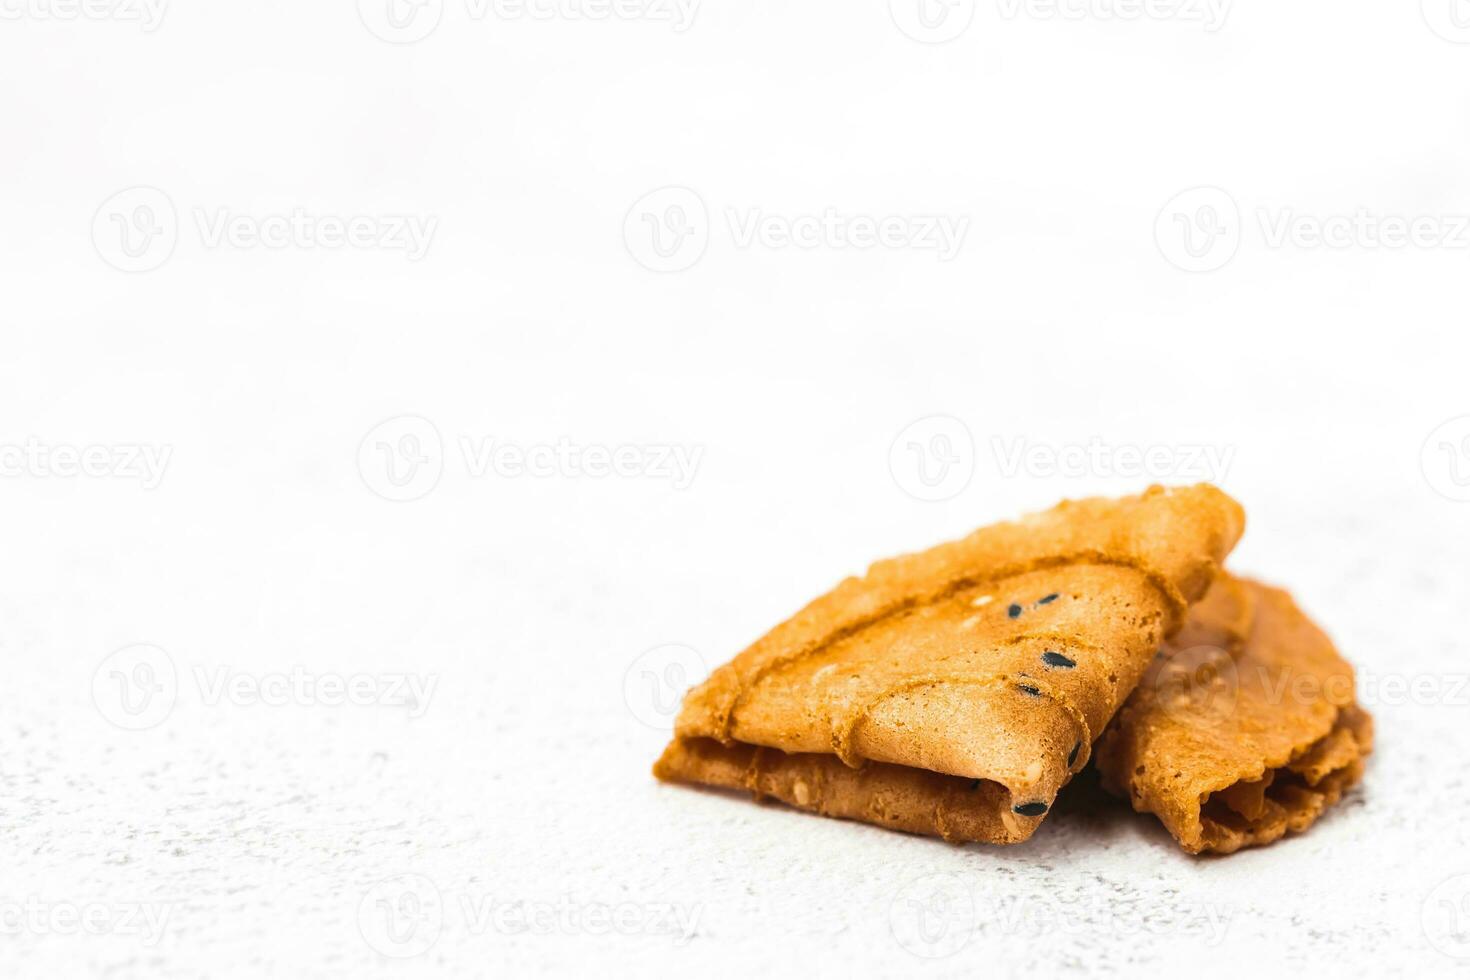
[955, 691]
[1243, 729]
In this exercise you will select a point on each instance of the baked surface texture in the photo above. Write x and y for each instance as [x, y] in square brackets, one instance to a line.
[955, 691]
[1244, 729]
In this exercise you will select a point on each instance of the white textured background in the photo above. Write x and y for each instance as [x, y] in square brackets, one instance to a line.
[488, 829]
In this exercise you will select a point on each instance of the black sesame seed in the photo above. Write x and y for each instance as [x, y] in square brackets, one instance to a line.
[1047, 598]
[1028, 689]
[1072, 756]
[1030, 809]
[1014, 611]
[1053, 659]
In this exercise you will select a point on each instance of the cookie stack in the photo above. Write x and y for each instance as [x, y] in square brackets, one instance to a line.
[955, 691]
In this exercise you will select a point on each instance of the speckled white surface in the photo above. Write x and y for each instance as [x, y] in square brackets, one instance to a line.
[503, 821]
[257, 833]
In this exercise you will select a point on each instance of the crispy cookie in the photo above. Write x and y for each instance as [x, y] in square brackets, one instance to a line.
[955, 691]
[1244, 728]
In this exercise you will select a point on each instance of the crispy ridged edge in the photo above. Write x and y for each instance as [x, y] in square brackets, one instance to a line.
[1268, 763]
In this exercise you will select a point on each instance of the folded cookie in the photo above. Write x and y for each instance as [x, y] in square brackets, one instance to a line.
[953, 692]
[1244, 728]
